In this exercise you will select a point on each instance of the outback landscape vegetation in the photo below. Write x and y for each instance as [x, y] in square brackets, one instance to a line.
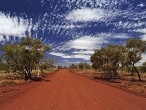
[72, 55]
[23, 59]
[117, 64]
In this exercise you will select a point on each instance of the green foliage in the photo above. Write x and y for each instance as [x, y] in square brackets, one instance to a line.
[109, 58]
[73, 66]
[81, 65]
[96, 59]
[135, 48]
[47, 64]
[143, 67]
[23, 56]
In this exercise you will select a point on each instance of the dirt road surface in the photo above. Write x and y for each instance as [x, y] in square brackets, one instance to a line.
[64, 90]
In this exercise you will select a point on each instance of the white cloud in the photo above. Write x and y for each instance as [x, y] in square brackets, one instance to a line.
[61, 55]
[1, 37]
[84, 52]
[98, 3]
[66, 60]
[72, 62]
[121, 36]
[143, 37]
[67, 56]
[141, 5]
[56, 54]
[82, 56]
[67, 26]
[143, 31]
[86, 42]
[142, 61]
[87, 14]
[13, 26]
[84, 46]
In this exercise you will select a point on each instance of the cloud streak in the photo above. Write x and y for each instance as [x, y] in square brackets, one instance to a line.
[75, 28]
[86, 42]
[13, 26]
[88, 14]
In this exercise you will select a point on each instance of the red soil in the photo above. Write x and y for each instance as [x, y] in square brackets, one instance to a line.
[64, 90]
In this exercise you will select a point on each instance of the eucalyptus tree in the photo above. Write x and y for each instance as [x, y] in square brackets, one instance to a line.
[111, 58]
[24, 55]
[11, 55]
[83, 65]
[143, 67]
[96, 59]
[135, 48]
[107, 59]
[73, 66]
[46, 64]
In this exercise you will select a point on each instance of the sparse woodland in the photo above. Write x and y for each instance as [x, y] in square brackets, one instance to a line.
[113, 58]
[116, 65]
[24, 56]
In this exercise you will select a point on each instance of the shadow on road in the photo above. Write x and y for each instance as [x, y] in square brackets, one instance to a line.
[38, 79]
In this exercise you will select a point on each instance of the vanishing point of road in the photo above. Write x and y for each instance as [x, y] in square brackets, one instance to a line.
[64, 90]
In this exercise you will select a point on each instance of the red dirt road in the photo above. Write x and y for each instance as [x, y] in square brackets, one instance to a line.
[64, 90]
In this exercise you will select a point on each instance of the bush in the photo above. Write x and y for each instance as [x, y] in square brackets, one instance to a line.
[10, 76]
[7, 83]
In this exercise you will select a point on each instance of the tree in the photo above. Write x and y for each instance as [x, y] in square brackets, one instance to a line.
[73, 66]
[107, 59]
[46, 64]
[143, 67]
[111, 60]
[83, 65]
[135, 48]
[96, 59]
[24, 55]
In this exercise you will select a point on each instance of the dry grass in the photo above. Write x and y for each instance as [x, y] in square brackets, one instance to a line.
[7, 83]
[10, 79]
[10, 76]
[126, 81]
[35, 72]
[11, 82]
[88, 73]
[136, 87]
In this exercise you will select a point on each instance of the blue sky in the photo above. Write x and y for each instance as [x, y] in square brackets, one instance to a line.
[73, 28]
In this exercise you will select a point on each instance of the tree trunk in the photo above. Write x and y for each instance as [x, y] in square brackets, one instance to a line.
[132, 71]
[42, 70]
[137, 72]
[27, 74]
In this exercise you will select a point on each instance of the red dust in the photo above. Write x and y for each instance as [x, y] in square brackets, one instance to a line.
[64, 90]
